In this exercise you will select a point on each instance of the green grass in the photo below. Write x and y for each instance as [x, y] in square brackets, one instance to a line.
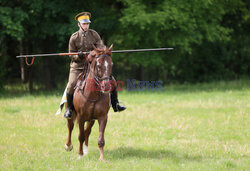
[184, 127]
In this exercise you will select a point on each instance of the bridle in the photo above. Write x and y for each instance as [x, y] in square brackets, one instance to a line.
[97, 77]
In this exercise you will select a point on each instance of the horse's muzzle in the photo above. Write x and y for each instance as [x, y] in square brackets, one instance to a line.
[106, 86]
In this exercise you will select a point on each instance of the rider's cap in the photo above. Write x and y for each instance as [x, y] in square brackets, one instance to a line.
[83, 17]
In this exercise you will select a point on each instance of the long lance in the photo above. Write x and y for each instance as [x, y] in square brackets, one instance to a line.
[86, 53]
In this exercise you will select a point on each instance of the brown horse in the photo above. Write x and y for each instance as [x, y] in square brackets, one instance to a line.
[92, 100]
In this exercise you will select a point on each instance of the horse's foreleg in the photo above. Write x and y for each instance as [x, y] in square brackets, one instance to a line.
[87, 132]
[68, 145]
[81, 138]
[101, 142]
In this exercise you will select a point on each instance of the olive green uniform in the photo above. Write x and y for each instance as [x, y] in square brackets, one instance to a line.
[80, 41]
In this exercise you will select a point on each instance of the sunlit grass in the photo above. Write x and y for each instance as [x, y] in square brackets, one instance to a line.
[201, 126]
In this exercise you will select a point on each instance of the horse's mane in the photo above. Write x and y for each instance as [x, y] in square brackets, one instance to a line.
[100, 51]
[103, 50]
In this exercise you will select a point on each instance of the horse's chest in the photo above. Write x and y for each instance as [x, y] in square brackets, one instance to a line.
[89, 110]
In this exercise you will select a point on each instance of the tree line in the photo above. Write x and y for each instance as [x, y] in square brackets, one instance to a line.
[210, 38]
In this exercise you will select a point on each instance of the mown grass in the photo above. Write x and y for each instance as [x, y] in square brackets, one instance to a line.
[184, 127]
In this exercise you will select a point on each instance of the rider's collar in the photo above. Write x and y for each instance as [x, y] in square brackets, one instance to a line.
[83, 33]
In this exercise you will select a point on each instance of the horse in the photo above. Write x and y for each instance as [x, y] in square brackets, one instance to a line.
[92, 100]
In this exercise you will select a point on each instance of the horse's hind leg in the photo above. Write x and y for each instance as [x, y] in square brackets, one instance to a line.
[101, 142]
[70, 124]
[87, 132]
[81, 138]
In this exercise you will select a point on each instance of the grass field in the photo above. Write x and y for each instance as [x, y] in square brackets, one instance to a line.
[184, 127]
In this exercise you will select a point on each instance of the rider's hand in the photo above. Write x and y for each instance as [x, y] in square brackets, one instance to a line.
[81, 55]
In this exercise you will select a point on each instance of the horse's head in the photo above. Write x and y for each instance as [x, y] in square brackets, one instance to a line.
[101, 66]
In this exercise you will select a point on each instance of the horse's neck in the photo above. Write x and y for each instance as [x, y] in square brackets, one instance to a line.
[91, 88]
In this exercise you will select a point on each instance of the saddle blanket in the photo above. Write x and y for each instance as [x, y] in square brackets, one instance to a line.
[63, 100]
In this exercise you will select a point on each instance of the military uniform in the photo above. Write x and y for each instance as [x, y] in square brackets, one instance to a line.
[80, 41]
[83, 41]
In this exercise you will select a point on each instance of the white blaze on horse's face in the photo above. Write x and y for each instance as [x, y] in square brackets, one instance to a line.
[104, 69]
[106, 64]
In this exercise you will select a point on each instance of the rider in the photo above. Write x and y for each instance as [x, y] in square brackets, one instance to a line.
[83, 41]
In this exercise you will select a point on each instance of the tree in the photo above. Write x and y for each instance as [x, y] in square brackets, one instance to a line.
[179, 24]
[210, 37]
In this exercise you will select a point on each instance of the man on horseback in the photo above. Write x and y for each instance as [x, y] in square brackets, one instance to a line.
[83, 41]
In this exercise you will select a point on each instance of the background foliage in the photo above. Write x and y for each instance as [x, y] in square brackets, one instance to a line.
[210, 37]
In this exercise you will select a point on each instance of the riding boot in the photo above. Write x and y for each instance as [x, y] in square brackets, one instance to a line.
[70, 107]
[115, 103]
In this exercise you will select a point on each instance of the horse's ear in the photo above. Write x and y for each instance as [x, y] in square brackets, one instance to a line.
[91, 56]
[111, 48]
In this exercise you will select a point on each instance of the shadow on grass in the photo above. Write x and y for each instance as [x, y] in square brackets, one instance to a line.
[129, 152]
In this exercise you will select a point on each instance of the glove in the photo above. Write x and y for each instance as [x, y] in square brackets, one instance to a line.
[81, 55]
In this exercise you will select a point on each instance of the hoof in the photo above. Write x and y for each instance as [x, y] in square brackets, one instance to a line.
[80, 156]
[85, 150]
[68, 148]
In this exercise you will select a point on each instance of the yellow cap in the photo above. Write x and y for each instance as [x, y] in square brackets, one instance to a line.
[83, 17]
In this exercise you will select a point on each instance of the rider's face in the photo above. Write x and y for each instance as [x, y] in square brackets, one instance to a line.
[84, 26]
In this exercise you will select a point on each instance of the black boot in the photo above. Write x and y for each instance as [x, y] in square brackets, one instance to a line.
[70, 107]
[115, 103]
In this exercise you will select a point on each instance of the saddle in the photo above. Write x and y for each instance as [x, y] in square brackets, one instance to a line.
[82, 78]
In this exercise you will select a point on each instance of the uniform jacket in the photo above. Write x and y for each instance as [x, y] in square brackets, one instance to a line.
[83, 41]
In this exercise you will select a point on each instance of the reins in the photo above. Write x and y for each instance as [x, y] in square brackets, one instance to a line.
[97, 79]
